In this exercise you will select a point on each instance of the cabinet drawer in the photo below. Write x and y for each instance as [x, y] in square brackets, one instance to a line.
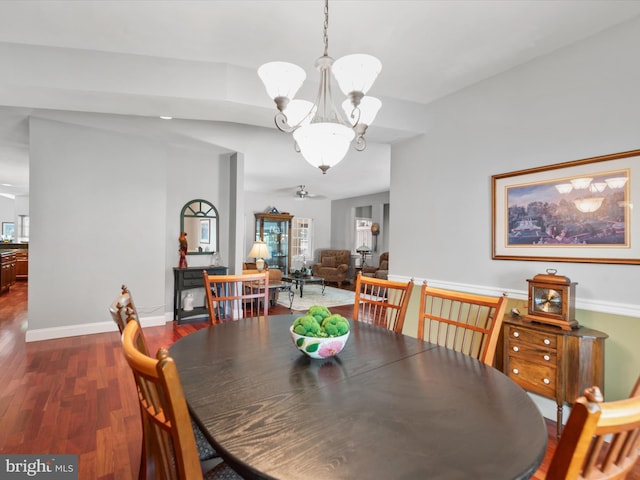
[534, 377]
[191, 274]
[533, 337]
[532, 353]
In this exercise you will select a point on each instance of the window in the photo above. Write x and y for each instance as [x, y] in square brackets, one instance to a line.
[363, 233]
[23, 228]
[301, 242]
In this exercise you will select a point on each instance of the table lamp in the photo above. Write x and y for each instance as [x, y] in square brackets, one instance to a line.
[259, 251]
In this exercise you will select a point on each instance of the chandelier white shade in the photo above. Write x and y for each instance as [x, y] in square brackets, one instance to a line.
[368, 107]
[281, 79]
[581, 183]
[589, 204]
[300, 112]
[322, 132]
[564, 187]
[323, 144]
[616, 182]
[356, 73]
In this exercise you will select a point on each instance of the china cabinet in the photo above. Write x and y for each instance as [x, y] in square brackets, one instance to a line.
[274, 229]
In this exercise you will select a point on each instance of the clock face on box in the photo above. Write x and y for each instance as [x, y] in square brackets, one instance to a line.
[547, 300]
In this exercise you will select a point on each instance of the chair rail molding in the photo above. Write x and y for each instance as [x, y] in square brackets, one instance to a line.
[601, 306]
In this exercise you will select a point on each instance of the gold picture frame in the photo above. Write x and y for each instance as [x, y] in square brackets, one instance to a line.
[577, 211]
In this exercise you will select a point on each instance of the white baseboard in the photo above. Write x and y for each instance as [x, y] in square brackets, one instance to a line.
[85, 329]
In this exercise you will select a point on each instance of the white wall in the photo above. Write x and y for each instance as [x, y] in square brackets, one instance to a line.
[579, 102]
[582, 101]
[193, 173]
[98, 202]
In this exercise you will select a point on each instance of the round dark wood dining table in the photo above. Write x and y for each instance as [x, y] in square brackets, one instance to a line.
[388, 406]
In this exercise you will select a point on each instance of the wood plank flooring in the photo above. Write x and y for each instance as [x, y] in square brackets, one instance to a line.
[76, 395]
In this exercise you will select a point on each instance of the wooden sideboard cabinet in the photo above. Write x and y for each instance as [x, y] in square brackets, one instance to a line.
[551, 362]
[7, 270]
[186, 279]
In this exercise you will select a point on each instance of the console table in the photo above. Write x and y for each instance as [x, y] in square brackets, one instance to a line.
[557, 364]
[186, 279]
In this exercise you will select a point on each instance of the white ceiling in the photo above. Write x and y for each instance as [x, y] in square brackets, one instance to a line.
[197, 60]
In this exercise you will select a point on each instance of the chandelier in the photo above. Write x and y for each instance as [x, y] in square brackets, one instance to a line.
[322, 132]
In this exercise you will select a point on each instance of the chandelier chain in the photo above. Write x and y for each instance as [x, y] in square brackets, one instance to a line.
[325, 35]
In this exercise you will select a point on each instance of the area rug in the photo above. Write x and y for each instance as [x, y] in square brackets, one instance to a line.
[313, 296]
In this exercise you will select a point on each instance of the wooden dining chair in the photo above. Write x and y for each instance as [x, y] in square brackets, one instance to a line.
[601, 440]
[170, 447]
[381, 302]
[464, 322]
[123, 311]
[230, 297]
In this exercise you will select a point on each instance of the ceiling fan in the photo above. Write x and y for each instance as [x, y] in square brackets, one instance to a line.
[302, 192]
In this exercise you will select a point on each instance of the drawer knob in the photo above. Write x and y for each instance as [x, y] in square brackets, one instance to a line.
[516, 334]
[516, 349]
[546, 381]
[547, 341]
[516, 371]
[547, 358]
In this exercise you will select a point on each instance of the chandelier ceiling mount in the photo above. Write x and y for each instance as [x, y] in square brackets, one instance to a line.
[322, 132]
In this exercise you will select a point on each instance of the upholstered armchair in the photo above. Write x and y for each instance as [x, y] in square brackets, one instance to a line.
[381, 271]
[333, 266]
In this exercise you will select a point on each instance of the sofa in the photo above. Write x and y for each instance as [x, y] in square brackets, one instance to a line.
[381, 271]
[333, 266]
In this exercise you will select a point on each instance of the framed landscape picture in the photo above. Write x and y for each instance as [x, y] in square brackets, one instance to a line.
[205, 231]
[578, 211]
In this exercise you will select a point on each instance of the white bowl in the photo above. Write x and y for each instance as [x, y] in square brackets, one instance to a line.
[315, 347]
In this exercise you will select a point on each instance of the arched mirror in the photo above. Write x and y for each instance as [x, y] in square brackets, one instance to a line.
[199, 219]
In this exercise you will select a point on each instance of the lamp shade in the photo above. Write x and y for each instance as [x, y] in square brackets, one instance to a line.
[323, 144]
[616, 182]
[564, 187]
[300, 112]
[369, 107]
[589, 204]
[581, 183]
[281, 79]
[356, 73]
[259, 250]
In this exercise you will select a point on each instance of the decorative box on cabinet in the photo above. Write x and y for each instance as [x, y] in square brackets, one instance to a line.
[274, 229]
[7, 270]
[186, 279]
[555, 363]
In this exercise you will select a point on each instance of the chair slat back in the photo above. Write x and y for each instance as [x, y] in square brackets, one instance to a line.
[170, 446]
[381, 302]
[464, 322]
[122, 311]
[230, 297]
[600, 440]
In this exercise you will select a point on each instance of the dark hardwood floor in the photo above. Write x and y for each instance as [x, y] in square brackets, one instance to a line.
[76, 395]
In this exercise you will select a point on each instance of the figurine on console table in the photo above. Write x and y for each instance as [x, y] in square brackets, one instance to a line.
[183, 250]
